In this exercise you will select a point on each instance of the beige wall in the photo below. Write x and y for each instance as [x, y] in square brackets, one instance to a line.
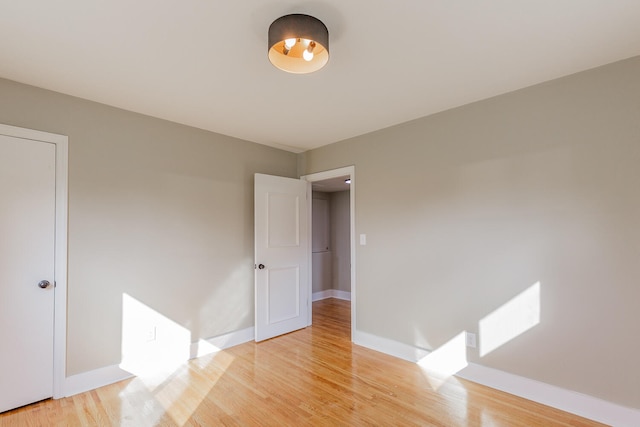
[341, 241]
[321, 247]
[331, 266]
[159, 211]
[466, 209]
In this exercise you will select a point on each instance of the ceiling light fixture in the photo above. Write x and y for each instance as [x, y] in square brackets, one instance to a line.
[347, 181]
[298, 44]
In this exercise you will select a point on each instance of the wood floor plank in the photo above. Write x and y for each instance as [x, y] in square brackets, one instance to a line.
[315, 376]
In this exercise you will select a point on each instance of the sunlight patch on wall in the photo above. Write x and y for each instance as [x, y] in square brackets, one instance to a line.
[156, 350]
[444, 362]
[513, 318]
[151, 342]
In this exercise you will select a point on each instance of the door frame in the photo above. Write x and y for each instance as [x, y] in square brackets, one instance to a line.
[61, 143]
[321, 176]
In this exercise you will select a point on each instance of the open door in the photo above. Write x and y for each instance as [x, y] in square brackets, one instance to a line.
[282, 300]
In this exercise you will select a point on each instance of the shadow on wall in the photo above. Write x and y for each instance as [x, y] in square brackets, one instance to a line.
[510, 320]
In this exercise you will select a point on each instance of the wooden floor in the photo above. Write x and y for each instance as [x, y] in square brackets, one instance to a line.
[315, 376]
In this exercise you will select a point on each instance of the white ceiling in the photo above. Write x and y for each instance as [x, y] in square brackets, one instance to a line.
[204, 63]
[331, 185]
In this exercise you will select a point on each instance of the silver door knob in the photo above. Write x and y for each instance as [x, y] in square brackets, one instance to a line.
[44, 284]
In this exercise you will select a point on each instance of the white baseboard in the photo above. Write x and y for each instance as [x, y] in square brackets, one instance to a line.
[317, 296]
[215, 344]
[331, 293]
[387, 346]
[569, 401]
[343, 295]
[566, 400]
[91, 380]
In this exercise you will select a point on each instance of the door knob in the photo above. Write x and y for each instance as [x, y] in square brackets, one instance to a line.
[44, 284]
[261, 266]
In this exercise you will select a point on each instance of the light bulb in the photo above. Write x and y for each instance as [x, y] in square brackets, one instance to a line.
[308, 56]
[288, 43]
[308, 52]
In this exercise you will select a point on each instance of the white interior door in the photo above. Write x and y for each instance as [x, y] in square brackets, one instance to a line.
[27, 233]
[281, 256]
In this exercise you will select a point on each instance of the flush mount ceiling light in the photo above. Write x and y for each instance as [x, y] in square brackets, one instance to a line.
[298, 44]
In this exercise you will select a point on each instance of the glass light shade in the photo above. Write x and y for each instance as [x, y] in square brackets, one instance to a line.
[302, 28]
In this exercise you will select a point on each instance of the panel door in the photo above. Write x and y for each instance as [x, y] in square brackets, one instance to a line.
[282, 300]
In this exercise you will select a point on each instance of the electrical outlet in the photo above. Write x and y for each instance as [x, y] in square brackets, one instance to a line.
[150, 334]
[471, 340]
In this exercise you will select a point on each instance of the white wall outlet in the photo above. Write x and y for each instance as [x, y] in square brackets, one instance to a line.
[363, 239]
[150, 334]
[471, 340]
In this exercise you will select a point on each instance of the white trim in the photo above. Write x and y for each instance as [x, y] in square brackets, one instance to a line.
[91, 380]
[331, 293]
[61, 253]
[101, 377]
[569, 401]
[61, 143]
[566, 400]
[317, 296]
[215, 344]
[390, 347]
[334, 173]
[343, 295]
[309, 253]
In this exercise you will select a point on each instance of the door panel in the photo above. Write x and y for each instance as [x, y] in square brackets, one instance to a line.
[283, 293]
[27, 233]
[281, 248]
[283, 220]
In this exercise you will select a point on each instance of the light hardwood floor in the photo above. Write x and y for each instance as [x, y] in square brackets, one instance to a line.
[315, 376]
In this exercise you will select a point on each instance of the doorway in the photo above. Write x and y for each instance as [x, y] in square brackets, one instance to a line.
[333, 272]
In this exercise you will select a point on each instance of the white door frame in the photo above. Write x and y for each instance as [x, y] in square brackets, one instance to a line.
[61, 143]
[321, 176]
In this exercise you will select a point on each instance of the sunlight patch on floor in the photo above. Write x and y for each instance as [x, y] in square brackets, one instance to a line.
[182, 395]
